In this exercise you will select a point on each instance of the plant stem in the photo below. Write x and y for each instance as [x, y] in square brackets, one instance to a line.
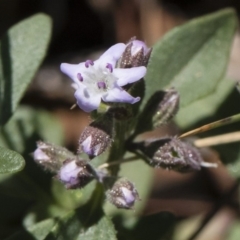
[217, 140]
[117, 149]
[118, 162]
[209, 126]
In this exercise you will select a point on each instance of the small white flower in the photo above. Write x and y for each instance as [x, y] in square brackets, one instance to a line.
[101, 80]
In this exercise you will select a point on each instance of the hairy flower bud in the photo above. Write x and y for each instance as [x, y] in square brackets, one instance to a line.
[136, 54]
[96, 138]
[123, 194]
[174, 154]
[50, 156]
[75, 173]
[167, 108]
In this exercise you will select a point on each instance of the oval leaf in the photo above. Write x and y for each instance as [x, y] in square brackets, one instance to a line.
[10, 161]
[103, 229]
[22, 50]
[193, 57]
[204, 107]
[38, 231]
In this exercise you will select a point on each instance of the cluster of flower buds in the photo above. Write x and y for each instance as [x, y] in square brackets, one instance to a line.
[76, 173]
[174, 154]
[102, 85]
[123, 194]
[167, 108]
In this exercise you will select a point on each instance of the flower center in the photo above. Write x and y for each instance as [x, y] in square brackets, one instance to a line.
[101, 85]
[97, 78]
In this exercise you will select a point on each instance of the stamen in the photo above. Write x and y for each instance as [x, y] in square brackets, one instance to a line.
[88, 63]
[101, 85]
[110, 67]
[79, 77]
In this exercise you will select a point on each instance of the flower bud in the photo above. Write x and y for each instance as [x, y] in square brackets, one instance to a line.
[167, 108]
[174, 154]
[96, 138]
[123, 194]
[50, 156]
[136, 54]
[75, 173]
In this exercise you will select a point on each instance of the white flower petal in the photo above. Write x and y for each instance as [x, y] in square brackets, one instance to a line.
[86, 145]
[128, 196]
[129, 75]
[40, 155]
[86, 100]
[69, 173]
[137, 45]
[119, 95]
[72, 70]
[114, 52]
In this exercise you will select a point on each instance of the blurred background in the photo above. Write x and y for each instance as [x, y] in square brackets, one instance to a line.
[83, 29]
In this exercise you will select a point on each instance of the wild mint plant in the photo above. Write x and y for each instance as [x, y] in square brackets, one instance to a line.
[131, 89]
[104, 80]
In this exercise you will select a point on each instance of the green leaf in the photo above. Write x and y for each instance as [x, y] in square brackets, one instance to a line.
[192, 58]
[234, 231]
[10, 161]
[76, 198]
[38, 231]
[198, 110]
[72, 227]
[154, 227]
[87, 222]
[104, 229]
[68, 227]
[22, 50]
[25, 124]
[41, 229]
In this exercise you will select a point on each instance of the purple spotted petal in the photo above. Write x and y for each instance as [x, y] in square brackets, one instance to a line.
[129, 75]
[119, 95]
[72, 70]
[86, 101]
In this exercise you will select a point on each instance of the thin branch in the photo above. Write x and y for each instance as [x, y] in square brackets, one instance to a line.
[130, 159]
[219, 123]
[217, 140]
[73, 106]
